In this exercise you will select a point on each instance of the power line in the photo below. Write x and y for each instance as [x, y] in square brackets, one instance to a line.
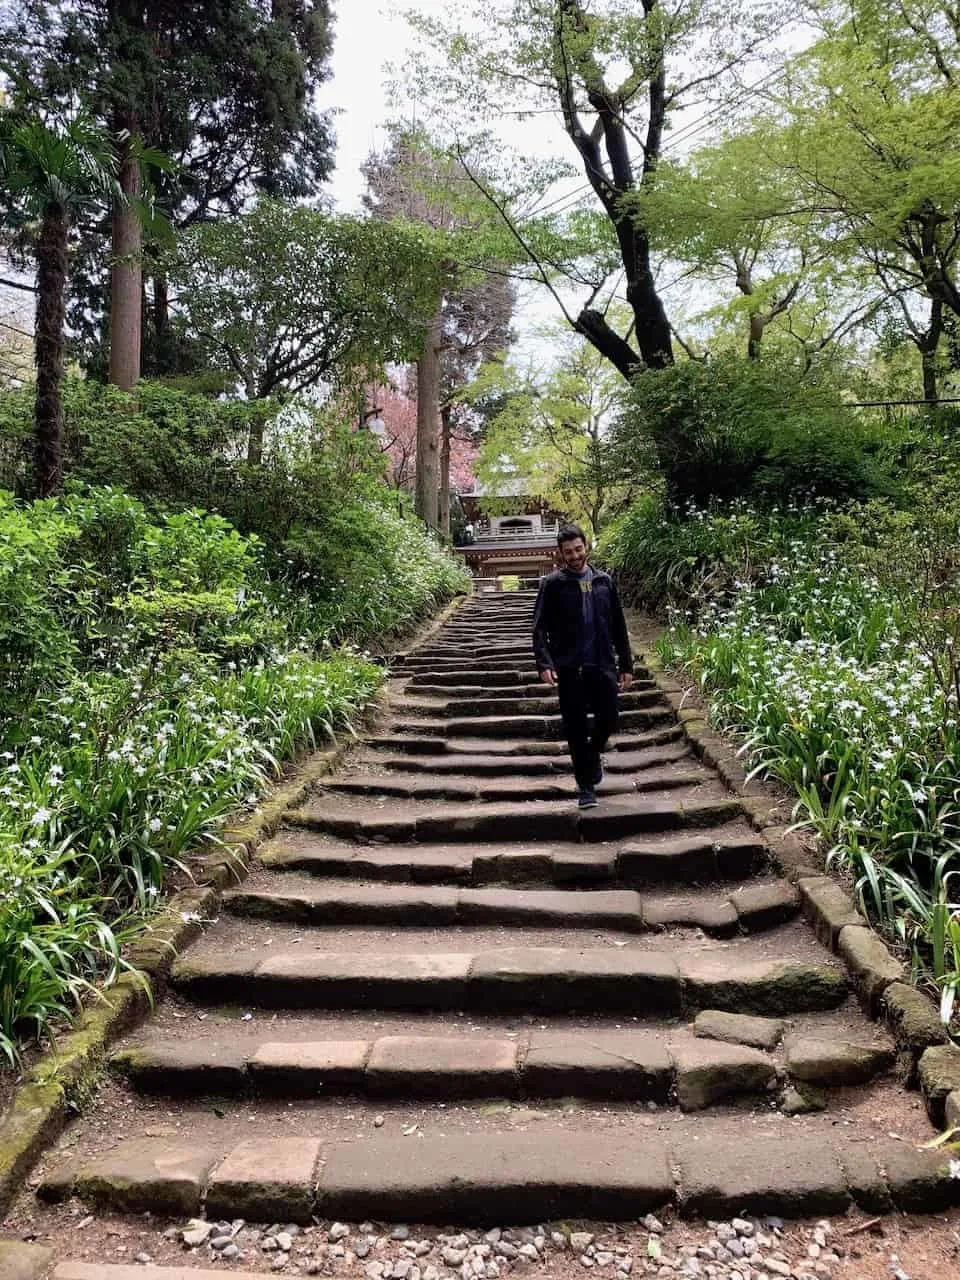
[883, 404]
[690, 130]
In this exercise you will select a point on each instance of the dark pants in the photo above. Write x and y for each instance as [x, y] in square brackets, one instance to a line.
[581, 690]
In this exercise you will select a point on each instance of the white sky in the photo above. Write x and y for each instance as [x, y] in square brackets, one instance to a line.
[369, 35]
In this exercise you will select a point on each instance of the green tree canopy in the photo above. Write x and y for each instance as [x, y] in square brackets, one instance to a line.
[285, 296]
[226, 88]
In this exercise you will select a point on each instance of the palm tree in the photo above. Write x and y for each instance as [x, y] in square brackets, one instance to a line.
[48, 173]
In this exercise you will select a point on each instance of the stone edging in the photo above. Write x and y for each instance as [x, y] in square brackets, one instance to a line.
[65, 1076]
[925, 1055]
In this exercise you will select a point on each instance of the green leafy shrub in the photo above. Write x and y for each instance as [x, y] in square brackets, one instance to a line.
[158, 667]
[750, 429]
[665, 557]
[835, 655]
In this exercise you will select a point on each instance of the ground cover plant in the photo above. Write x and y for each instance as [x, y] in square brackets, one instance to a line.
[156, 669]
[828, 638]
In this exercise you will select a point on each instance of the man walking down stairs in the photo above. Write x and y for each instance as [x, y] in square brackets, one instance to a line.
[581, 645]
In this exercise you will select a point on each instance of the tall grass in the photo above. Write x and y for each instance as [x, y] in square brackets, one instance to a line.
[813, 636]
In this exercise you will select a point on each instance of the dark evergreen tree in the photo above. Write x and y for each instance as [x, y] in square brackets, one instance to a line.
[225, 88]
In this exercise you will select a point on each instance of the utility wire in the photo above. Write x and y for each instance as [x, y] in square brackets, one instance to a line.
[690, 130]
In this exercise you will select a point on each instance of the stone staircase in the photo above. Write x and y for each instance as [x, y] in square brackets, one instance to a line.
[445, 995]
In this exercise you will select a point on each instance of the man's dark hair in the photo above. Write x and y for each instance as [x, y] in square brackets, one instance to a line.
[568, 532]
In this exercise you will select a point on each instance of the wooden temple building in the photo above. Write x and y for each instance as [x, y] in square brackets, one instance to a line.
[523, 543]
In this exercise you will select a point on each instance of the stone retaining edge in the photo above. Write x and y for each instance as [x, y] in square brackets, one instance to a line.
[64, 1078]
[875, 972]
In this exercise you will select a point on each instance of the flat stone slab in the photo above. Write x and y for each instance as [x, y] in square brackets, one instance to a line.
[266, 1179]
[106, 1271]
[495, 1178]
[306, 1068]
[20, 1261]
[835, 1062]
[708, 1070]
[828, 908]
[613, 1064]
[329, 980]
[736, 1028]
[765, 904]
[715, 916]
[369, 904]
[432, 906]
[565, 978]
[793, 1177]
[443, 1066]
[939, 1077]
[184, 1066]
[693, 858]
[139, 1175]
[872, 966]
[604, 908]
[766, 987]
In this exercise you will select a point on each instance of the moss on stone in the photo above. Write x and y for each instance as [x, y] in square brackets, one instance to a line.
[34, 1118]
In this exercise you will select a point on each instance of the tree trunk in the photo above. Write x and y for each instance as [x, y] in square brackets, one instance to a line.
[445, 415]
[258, 422]
[929, 345]
[928, 363]
[125, 273]
[50, 321]
[161, 310]
[758, 323]
[428, 413]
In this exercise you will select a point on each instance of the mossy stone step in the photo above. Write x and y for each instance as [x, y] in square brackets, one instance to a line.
[492, 1179]
[636, 1065]
[430, 744]
[523, 789]
[433, 905]
[437, 821]
[412, 721]
[593, 979]
[527, 766]
[714, 854]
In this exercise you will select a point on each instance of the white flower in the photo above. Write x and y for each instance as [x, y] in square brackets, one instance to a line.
[155, 824]
[955, 1168]
[40, 817]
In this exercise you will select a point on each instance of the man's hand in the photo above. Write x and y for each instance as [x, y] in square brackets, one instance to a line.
[548, 676]
[626, 680]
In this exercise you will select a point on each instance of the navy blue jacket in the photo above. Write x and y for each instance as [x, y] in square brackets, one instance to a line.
[557, 620]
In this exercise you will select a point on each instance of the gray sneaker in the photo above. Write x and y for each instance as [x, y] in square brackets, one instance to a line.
[587, 799]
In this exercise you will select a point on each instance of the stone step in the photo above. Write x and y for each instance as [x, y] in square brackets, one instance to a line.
[516, 766]
[522, 726]
[524, 670]
[460, 652]
[431, 744]
[638, 980]
[761, 905]
[616, 817]
[474, 677]
[121, 1271]
[729, 853]
[495, 1179]
[675, 1068]
[491, 790]
[468, 691]
[537, 704]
